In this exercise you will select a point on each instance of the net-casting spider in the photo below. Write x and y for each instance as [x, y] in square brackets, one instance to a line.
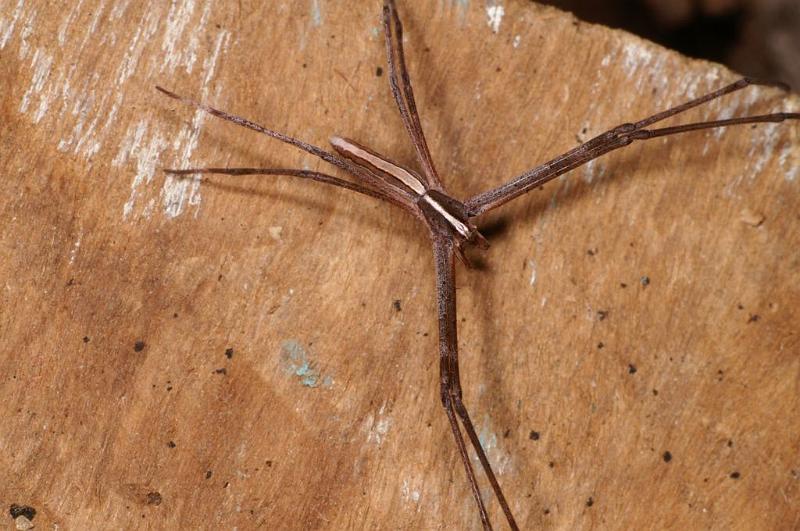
[449, 221]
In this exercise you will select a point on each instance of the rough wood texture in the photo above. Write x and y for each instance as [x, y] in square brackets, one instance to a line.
[646, 304]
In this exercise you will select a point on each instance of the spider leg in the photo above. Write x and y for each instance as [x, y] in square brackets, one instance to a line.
[340, 162]
[400, 84]
[616, 138]
[303, 174]
[444, 253]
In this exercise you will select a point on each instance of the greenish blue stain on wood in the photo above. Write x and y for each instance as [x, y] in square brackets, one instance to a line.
[297, 362]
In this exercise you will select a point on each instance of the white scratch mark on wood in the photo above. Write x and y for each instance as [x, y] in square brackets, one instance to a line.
[146, 156]
[494, 15]
[67, 22]
[74, 251]
[517, 41]
[40, 63]
[640, 61]
[177, 193]
[499, 458]
[377, 428]
[178, 18]
[593, 168]
[316, 13]
[787, 154]
[407, 494]
[762, 147]
[144, 33]
[92, 141]
[194, 41]
[532, 265]
[7, 25]
[27, 31]
[120, 6]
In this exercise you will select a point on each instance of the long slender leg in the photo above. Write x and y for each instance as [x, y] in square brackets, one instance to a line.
[615, 138]
[399, 78]
[444, 248]
[303, 174]
[330, 158]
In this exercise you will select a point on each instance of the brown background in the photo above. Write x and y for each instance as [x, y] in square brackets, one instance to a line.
[122, 289]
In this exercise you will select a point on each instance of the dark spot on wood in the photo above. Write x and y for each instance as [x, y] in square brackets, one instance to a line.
[85, 339]
[735, 475]
[591, 252]
[138, 346]
[602, 314]
[17, 510]
[223, 370]
[631, 368]
[498, 69]
[753, 318]
[175, 315]
[667, 456]
[730, 443]
[171, 444]
[589, 502]
[219, 278]
[739, 306]
[655, 392]
[225, 486]
[396, 304]
[154, 498]
[551, 464]
[601, 345]
[208, 474]
[547, 511]
[268, 462]
[379, 71]
[645, 280]
[507, 433]
[534, 435]
[229, 353]
[623, 285]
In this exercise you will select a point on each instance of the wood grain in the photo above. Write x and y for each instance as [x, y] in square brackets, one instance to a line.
[645, 304]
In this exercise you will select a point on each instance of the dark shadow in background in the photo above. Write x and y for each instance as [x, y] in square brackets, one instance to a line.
[759, 38]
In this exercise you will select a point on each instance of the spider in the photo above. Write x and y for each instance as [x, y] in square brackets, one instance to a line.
[449, 222]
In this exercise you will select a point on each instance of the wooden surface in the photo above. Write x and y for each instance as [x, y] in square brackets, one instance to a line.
[123, 289]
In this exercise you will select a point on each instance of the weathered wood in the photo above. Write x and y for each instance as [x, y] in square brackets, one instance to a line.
[646, 304]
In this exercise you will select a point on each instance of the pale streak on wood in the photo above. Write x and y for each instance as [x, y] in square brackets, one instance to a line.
[88, 111]
[377, 426]
[67, 22]
[177, 193]
[316, 13]
[494, 15]
[7, 25]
